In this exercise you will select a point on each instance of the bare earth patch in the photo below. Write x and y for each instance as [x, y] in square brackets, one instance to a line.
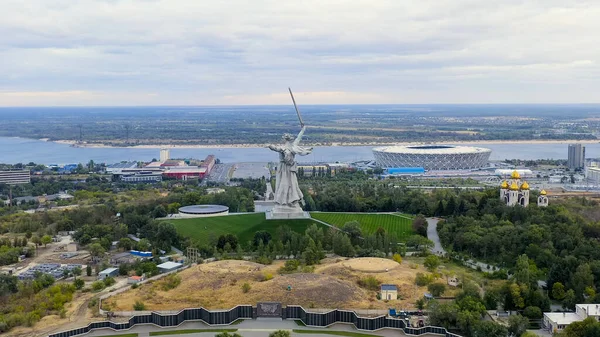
[218, 285]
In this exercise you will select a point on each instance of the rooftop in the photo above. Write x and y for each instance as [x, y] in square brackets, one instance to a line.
[169, 265]
[109, 270]
[563, 318]
[590, 309]
[388, 287]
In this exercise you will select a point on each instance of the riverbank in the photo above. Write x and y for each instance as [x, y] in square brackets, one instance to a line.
[214, 146]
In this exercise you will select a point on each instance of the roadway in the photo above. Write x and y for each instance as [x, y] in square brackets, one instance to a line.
[249, 328]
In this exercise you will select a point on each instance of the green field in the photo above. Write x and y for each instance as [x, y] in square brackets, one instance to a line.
[186, 331]
[243, 226]
[399, 224]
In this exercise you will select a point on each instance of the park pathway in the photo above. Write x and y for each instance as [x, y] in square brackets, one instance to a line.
[432, 235]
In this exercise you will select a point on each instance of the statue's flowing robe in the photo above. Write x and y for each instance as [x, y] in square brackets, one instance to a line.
[287, 191]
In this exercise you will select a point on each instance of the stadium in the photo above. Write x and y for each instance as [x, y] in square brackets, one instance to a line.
[432, 157]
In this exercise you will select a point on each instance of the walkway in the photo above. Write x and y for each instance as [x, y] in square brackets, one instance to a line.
[432, 235]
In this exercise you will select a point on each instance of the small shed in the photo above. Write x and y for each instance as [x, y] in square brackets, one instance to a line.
[389, 292]
[169, 266]
[72, 247]
[108, 272]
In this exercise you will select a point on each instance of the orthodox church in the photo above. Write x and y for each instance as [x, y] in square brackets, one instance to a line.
[513, 192]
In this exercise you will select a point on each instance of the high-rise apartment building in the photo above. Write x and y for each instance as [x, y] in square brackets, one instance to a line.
[576, 159]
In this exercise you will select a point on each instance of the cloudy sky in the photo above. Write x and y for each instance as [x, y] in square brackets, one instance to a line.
[204, 52]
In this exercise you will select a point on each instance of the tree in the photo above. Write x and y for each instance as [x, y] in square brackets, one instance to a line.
[582, 279]
[466, 320]
[263, 236]
[443, 314]
[76, 272]
[489, 329]
[522, 275]
[570, 300]
[517, 325]
[436, 289]
[159, 212]
[36, 239]
[419, 225]
[125, 244]
[532, 312]
[88, 270]
[420, 304]
[589, 327]
[96, 249]
[313, 253]
[352, 228]
[46, 239]
[558, 291]
[431, 262]
[280, 333]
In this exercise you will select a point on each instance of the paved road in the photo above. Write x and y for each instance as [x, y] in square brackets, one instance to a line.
[248, 328]
[432, 235]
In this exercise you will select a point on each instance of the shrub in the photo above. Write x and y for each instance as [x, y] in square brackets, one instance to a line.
[413, 266]
[370, 283]
[246, 287]
[267, 276]
[264, 260]
[93, 303]
[109, 281]
[308, 269]
[280, 333]
[98, 285]
[78, 283]
[431, 262]
[134, 286]
[436, 289]
[170, 282]
[397, 258]
[139, 306]
[290, 266]
[423, 279]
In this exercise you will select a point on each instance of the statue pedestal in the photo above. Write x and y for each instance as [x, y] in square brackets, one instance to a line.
[286, 212]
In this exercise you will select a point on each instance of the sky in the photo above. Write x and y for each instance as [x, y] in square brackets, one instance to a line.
[238, 52]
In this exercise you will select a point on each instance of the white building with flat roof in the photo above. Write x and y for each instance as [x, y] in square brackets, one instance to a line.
[557, 321]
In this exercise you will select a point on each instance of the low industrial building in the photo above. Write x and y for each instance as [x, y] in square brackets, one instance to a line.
[108, 272]
[119, 167]
[389, 292]
[169, 266]
[558, 321]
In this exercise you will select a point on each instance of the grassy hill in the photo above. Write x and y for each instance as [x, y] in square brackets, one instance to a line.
[243, 226]
[392, 223]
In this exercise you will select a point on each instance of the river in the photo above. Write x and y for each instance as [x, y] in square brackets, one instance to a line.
[20, 150]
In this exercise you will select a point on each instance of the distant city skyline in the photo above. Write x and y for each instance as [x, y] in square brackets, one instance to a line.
[189, 52]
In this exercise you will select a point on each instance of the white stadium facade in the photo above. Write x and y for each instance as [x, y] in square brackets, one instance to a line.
[432, 157]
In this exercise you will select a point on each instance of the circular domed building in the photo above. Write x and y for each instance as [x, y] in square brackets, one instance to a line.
[199, 211]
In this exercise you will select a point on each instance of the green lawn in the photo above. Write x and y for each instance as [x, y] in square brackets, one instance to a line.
[186, 331]
[243, 226]
[399, 224]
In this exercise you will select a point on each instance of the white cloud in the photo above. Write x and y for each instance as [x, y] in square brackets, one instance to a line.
[144, 52]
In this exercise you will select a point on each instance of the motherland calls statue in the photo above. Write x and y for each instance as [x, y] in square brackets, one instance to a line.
[288, 197]
[287, 192]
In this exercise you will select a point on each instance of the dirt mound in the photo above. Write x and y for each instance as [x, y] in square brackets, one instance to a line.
[370, 264]
[231, 266]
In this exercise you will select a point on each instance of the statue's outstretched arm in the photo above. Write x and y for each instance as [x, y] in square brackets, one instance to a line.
[300, 134]
[275, 148]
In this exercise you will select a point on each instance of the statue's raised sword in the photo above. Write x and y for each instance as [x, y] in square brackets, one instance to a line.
[295, 106]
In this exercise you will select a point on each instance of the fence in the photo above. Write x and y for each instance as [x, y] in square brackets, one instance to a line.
[226, 317]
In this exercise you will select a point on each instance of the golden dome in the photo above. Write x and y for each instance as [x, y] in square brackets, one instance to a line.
[525, 186]
[515, 175]
[543, 192]
[504, 185]
[514, 187]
